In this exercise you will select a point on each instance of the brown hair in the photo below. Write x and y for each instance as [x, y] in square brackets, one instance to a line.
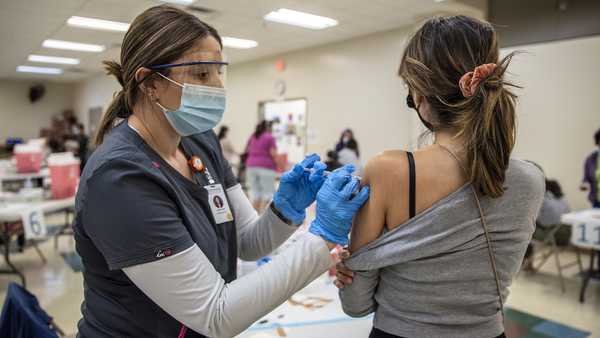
[437, 56]
[159, 35]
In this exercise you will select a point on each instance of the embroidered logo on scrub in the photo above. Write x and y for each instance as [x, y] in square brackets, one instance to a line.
[164, 253]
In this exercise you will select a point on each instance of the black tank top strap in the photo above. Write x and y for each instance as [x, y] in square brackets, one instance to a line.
[412, 185]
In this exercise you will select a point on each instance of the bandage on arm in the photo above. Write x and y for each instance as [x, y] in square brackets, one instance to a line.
[256, 236]
[188, 287]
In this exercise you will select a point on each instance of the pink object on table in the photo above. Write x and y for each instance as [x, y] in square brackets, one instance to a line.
[64, 175]
[28, 157]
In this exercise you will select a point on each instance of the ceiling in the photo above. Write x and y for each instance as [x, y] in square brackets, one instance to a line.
[24, 24]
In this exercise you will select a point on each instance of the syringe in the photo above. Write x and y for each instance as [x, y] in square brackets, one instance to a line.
[326, 172]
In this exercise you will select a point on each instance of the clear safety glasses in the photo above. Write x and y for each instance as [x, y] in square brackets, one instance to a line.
[206, 73]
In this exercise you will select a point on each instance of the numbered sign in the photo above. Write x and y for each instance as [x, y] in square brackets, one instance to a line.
[586, 234]
[34, 224]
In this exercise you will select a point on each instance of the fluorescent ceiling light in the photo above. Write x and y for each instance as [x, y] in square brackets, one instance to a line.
[92, 23]
[238, 43]
[295, 18]
[82, 47]
[53, 59]
[179, 2]
[39, 70]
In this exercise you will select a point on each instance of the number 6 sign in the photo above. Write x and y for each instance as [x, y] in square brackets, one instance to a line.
[33, 224]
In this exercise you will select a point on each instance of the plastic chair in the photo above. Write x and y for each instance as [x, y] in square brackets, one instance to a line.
[22, 316]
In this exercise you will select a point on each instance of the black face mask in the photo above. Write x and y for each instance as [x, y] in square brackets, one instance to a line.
[411, 104]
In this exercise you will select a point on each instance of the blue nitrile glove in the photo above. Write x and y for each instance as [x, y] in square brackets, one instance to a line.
[298, 188]
[337, 204]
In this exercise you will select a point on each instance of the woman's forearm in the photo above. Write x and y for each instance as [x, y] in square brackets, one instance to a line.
[358, 298]
[256, 236]
[198, 297]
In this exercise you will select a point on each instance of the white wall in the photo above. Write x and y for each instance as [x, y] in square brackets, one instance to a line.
[21, 118]
[559, 108]
[94, 92]
[350, 84]
[354, 84]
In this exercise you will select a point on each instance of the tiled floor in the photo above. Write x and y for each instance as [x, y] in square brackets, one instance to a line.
[59, 290]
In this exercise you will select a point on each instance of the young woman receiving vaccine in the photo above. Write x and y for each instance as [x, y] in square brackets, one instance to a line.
[160, 218]
[446, 228]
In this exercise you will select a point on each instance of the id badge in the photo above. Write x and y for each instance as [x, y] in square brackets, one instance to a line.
[218, 204]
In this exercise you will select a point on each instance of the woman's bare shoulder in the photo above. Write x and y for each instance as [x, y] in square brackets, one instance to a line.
[386, 166]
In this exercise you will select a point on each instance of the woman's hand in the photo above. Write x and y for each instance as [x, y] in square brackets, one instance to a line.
[344, 276]
[337, 202]
[298, 188]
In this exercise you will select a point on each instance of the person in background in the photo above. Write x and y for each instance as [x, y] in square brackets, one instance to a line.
[591, 174]
[83, 140]
[228, 150]
[58, 135]
[70, 122]
[261, 166]
[345, 138]
[349, 155]
[332, 162]
[554, 206]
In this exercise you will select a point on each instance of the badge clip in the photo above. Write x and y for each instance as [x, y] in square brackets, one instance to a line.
[196, 163]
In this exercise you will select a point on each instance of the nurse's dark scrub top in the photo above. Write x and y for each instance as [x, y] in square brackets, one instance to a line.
[133, 208]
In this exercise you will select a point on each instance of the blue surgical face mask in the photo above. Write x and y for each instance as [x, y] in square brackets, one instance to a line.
[201, 108]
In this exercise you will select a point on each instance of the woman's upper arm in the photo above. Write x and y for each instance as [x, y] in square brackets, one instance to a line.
[370, 220]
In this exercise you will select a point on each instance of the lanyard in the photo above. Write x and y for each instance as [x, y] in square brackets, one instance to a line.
[195, 162]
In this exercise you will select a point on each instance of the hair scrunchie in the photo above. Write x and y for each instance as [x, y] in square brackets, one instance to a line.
[469, 81]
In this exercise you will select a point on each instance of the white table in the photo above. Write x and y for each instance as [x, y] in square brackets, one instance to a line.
[11, 213]
[586, 234]
[14, 176]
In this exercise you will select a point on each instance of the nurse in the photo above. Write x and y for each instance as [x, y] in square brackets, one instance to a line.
[160, 218]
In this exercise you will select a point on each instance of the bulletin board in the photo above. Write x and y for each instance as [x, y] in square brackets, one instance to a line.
[289, 125]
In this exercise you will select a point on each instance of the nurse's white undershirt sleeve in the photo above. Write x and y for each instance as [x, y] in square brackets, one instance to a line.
[188, 287]
[256, 236]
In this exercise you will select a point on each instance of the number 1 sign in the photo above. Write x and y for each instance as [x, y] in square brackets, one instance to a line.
[586, 234]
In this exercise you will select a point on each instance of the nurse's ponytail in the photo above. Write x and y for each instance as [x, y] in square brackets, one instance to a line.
[159, 35]
[117, 108]
[454, 63]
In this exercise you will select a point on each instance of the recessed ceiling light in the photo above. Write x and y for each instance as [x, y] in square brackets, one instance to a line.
[238, 43]
[100, 24]
[53, 59]
[179, 2]
[39, 70]
[301, 19]
[82, 47]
